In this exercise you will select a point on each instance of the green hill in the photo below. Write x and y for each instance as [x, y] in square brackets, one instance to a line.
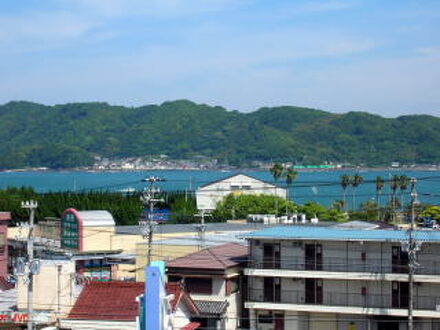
[70, 135]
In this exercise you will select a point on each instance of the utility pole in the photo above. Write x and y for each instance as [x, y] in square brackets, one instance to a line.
[413, 247]
[31, 265]
[201, 228]
[147, 226]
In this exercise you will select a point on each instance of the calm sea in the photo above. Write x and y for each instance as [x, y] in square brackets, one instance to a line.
[321, 187]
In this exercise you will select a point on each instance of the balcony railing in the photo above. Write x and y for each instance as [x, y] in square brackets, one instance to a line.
[345, 299]
[332, 264]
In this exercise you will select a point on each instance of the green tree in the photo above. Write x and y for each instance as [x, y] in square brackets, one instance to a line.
[345, 183]
[432, 212]
[290, 175]
[355, 181]
[403, 186]
[394, 185]
[277, 171]
[380, 182]
[246, 204]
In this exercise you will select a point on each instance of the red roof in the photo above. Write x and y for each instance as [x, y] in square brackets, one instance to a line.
[218, 257]
[114, 301]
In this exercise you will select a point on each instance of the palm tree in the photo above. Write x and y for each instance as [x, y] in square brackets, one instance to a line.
[276, 170]
[403, 185]
[356, 181]
[345, 182]
[394, 184]
[379, 186]
[290, 175]
[380, 182]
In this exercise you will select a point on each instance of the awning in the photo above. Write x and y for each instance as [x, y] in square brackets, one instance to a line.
[211, 308]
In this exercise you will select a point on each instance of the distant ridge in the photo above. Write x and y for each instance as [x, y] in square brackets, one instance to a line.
[69, 135]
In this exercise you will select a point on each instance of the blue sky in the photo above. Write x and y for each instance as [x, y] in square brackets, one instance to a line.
[337, 55]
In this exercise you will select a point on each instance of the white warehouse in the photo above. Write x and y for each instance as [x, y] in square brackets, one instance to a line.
[210, 194]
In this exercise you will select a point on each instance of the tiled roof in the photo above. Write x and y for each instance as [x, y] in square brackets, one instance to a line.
[108, 301]
[218, 258]
[116, 301]
[207, 307]
[335, 234]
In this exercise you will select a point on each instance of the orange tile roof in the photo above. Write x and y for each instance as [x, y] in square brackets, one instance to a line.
[114, 301]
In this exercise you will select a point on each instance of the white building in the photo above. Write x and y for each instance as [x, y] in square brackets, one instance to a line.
[210, 194]
[330, 278]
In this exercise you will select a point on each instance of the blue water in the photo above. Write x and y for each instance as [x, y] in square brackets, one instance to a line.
[321, 187]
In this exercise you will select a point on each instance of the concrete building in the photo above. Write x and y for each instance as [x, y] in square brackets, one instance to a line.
[55, 290]
[212, 278]
[330, 278]
[210, 194]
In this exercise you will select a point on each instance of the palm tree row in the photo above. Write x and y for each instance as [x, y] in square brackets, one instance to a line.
[278, 171]
[353, 181]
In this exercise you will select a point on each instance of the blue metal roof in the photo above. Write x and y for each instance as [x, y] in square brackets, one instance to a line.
[335, 234]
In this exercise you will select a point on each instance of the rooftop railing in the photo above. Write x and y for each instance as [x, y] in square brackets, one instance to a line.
[333, 264]
[366, 300]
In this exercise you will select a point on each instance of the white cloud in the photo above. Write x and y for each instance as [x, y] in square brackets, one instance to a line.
[157, 8]
[42, 28]
[324, 6]
[430, 51]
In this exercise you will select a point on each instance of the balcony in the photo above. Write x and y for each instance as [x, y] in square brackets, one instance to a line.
[355, 265]
[374, 303]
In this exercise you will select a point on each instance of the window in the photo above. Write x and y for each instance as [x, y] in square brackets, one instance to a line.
[267, 319]
[199, 285]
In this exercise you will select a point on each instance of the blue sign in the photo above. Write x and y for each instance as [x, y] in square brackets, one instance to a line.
[159, 215]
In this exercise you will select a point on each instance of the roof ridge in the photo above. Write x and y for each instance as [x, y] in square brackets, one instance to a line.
[218, 259]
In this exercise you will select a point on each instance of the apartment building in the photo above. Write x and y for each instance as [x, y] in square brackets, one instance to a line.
[330, 278]
[212, 278]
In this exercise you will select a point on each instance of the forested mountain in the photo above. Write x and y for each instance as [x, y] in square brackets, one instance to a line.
[70, 135]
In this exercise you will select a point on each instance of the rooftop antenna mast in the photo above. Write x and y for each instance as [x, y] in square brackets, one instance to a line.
[148, 200]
